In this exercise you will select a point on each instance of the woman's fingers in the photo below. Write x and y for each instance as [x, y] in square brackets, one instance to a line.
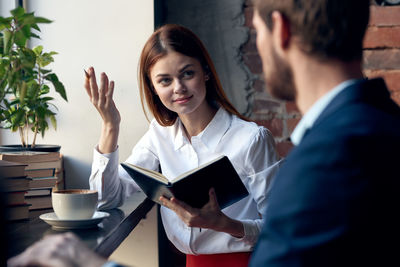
[102, 97]
[213, 198]
[103, 90]
[87, 84]
[110, 93]
[93, 85]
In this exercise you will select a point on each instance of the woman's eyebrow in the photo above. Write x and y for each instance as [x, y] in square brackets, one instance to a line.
[185, 67]
[180, 71]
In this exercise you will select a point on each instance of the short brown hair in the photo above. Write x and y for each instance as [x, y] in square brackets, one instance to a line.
[176, 38]
[325, 28]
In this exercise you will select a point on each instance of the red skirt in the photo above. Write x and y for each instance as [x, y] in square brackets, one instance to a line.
[239, 259]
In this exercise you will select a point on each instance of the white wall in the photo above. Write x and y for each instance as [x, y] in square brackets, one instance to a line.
[5, 7]
[108, 35]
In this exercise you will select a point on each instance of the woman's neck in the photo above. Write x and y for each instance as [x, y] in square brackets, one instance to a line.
[195, 122]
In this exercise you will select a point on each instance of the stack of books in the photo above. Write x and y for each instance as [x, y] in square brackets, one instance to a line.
[14, 184]
[45, 170]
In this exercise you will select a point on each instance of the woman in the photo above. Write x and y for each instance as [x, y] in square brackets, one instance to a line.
[193, 123]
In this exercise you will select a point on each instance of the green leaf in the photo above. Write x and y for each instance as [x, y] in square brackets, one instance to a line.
[58, 86]
[18, 117]
[7, 125]
[45, 59]
[38, 49]
[6, 21]
[42, 20]
[7, 41]
[28, 58]
[18, 12]
[36, 27]
[28, 19]
[44, 90]
[22, 94]
[41, 112]
[44, 71]
[31, 120]
[53, 121]
[34, 35]
[46, 99]
[33, 90]
[26, 30]
[20, 39]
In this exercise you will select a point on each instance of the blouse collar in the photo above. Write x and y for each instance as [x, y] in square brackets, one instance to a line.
[210, 136]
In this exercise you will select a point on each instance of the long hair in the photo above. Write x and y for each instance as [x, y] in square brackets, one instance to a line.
[176, 38]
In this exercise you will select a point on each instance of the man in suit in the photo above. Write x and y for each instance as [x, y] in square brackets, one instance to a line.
[335, 199]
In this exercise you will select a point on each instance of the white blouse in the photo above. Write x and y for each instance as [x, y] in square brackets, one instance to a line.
[250, 148]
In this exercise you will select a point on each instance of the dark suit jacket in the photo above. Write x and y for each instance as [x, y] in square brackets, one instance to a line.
[335, 201]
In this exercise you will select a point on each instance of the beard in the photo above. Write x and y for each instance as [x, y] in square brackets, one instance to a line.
[279, 79]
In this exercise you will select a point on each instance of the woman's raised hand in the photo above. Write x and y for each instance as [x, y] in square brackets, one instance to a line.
[102, 99]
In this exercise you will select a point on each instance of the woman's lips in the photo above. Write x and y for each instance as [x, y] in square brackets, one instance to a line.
[183, 100]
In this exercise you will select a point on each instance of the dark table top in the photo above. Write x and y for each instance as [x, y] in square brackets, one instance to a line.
[103, 238]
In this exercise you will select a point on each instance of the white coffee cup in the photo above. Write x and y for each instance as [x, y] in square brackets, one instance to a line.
[74, 204]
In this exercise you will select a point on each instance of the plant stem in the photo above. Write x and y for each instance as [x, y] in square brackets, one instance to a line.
[35, 134]
[21, 135]
[27, 129]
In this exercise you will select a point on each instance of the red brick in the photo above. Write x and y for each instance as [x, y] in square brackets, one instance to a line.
[382, 59]
[283, 148]
[291, 123]
[259, 85]
[378, 37]
[254, 63]
[291, 108]
[392, 78]
[248, 17]
[385, 16]
[269, 106]
[396, 97]
[275, 125]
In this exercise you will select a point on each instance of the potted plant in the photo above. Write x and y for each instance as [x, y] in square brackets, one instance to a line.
[25, 104]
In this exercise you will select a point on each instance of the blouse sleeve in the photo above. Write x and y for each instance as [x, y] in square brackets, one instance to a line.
[109, 178]
[261, 165]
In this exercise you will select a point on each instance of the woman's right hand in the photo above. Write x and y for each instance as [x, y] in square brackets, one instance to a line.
[102, 99]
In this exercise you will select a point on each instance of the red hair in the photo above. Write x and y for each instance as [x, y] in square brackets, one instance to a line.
[176, 38]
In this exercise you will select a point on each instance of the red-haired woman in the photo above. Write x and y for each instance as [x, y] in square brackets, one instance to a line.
[193, 123]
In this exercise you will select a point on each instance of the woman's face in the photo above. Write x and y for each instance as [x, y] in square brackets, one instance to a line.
[180, 82]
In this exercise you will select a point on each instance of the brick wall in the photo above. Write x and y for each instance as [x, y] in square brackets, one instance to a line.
[382, 47]
[381, 58]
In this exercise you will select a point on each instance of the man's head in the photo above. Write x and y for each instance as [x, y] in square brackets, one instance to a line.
[322, 29]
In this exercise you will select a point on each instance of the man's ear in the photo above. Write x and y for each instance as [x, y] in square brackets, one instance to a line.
[280, 31]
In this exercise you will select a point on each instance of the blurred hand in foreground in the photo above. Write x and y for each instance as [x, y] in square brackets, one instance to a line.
[61, 250]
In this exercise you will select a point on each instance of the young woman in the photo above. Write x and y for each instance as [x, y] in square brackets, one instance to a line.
[193, 123]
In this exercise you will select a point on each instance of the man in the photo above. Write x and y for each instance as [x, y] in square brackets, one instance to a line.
[334, 201]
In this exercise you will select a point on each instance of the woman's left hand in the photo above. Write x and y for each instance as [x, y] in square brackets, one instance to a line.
[209, 216]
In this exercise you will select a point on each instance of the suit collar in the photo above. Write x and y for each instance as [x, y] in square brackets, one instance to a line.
[373, 92]
[316, 109]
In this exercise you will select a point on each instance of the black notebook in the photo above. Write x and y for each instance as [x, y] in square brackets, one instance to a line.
[193, 186]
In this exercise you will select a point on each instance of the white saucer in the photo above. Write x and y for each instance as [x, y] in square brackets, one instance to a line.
[51, 218]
